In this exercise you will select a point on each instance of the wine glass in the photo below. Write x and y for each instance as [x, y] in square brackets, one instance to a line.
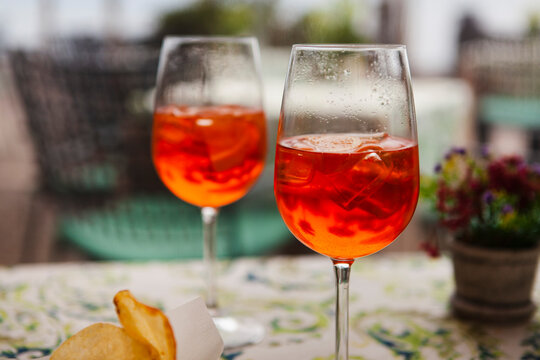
[209, 139]
[346, 171]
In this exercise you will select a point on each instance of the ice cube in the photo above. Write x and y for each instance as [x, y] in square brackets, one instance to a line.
[295, 169]
[299, 143]
[361, 181]
[335, 143]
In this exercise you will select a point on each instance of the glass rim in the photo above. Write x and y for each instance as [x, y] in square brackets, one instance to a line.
[359, 47]
[203, 38]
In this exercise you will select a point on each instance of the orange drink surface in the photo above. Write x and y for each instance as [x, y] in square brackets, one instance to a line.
[209, 155]
[346, 195]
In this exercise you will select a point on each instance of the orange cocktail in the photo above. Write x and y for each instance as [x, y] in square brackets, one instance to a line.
[209, 155]
[346, 195]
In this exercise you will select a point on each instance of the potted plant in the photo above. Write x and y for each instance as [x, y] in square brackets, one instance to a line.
[492, 208]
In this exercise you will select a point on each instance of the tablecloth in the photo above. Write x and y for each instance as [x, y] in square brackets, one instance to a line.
[398, 310]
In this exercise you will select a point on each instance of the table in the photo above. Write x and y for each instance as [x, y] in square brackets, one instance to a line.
[399, 306]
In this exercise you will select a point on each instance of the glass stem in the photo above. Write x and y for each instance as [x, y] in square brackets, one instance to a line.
[342, 269]
[209, 220]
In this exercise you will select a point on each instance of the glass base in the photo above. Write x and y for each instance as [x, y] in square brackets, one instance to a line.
[239, 332]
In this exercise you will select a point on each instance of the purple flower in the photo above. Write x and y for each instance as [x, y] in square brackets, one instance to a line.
[488, 197]
[438, 168]
[484, 151]
[506, 209]
[455, 151]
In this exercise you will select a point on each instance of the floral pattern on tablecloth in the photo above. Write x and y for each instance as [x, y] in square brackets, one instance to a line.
[398, 310]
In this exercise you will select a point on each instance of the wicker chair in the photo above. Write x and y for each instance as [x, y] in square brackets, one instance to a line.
[506, 77]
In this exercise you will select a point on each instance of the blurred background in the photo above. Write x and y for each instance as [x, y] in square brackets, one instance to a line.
[76, 79]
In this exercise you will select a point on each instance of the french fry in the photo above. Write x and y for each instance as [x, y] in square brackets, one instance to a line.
[146, 324]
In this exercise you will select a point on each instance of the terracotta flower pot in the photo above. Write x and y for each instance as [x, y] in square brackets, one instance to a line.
[493, 285]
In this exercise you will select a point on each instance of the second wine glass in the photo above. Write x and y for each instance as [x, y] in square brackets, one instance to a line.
[209, 139]
[346, 172]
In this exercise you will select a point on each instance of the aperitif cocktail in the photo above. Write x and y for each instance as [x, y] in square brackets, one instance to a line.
[346, 195]
[209, 156]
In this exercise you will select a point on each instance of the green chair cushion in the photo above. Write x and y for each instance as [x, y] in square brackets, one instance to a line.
[512, 111]
[161, 227]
